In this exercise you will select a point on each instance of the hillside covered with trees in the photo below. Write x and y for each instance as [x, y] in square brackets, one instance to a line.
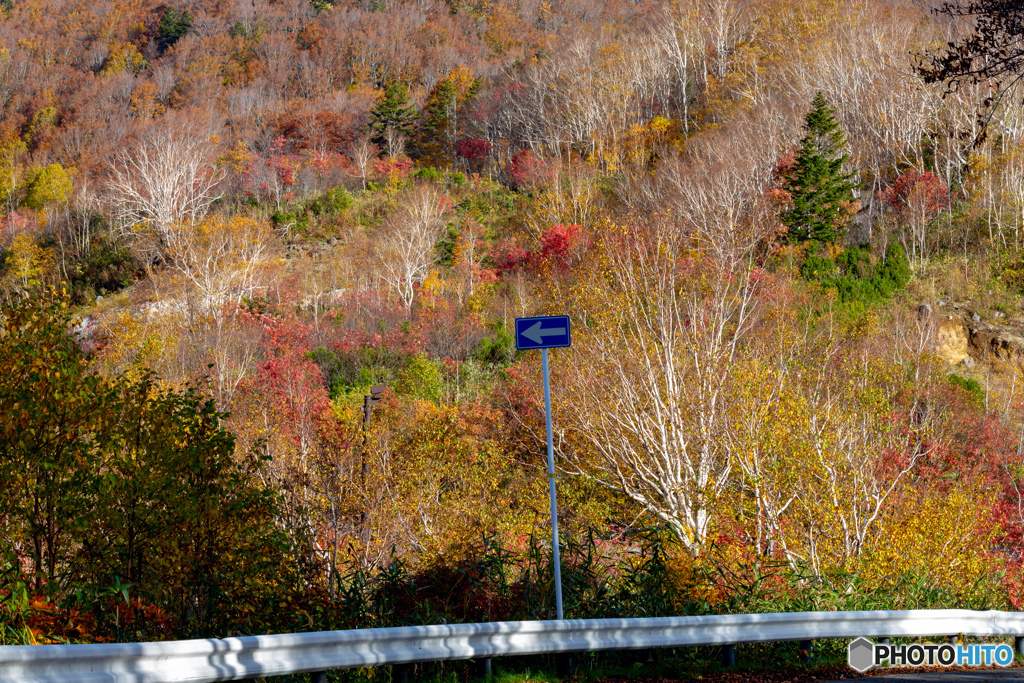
[788, 233]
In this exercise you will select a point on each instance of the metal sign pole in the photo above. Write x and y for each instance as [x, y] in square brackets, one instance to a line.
[551, 490]
[544, 332]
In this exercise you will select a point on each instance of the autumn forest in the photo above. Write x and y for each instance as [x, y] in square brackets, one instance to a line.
[789, 235]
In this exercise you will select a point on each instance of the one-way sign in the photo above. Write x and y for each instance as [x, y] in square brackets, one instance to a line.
[543, 332]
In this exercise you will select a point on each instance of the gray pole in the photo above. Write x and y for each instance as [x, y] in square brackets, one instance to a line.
[551, 491]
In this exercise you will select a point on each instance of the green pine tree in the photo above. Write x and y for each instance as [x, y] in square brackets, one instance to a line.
[173, 25]
[821, 193]
[435, 146]
[392, 111]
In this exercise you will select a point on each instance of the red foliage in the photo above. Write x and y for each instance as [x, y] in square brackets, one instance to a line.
[271, 177]
[556, 243]
[784, 166]
[283, 164]
[528, 171]
[448, 331]
[921, 193]
[397, 169]
[14, 224]
[509, 257]
[779, 197]
[329, 167]
[556, 247]
[518, 395]
[292, 381]
[473, 149]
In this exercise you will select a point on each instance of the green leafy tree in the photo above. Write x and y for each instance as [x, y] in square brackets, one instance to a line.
[421, 378]
[175, 514]
[111, 479]
[821, 202]
[53, 410]
[48, 185]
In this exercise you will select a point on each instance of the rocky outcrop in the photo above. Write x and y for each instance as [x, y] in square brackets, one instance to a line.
[951, 339]
[960, 337]
[1000, 346]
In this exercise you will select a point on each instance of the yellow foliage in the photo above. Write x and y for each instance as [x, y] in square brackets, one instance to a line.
[220, 255]
[501, 34]
[461, 78]
[123, 57]
[48, 185]
[42, 120]
[144, 101]
[571, 199]
[942, 539]
[237, 158]
[28, 264]
[434, 284]
[133, 345]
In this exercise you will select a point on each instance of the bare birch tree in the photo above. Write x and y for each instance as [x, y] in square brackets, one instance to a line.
[362, 154]
[407, 247]
[166, 179]
[649, 381]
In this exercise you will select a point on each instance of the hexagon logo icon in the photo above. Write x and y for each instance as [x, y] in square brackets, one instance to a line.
[860, 654]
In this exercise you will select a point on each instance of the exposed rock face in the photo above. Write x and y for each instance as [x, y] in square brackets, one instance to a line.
[951, 338]
[961, 338]
[1000, 346]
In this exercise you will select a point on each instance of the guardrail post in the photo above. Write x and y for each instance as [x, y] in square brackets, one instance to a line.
[729, 656]
[1018, 645]
[563, 665]
[805, 650]
[484, 668]
[400, 673]
[882, 641]
[318, 677]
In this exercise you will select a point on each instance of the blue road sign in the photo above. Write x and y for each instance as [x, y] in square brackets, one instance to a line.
[543, 332]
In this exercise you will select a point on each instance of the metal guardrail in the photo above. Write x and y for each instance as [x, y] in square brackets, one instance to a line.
[255, 656]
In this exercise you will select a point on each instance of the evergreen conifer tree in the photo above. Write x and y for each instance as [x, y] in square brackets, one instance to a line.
[437, 132]
[173, 25]
[820, 192]
[392, 111]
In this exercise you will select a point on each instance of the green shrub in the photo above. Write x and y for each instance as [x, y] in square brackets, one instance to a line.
[429, 173]
[107, 269]
[498, 349]
[420, 378]
[970, 386]
[856, 281]
[332, 202]
[817, 267]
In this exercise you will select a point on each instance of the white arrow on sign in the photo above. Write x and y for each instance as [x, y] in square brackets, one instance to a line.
[536, 334]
